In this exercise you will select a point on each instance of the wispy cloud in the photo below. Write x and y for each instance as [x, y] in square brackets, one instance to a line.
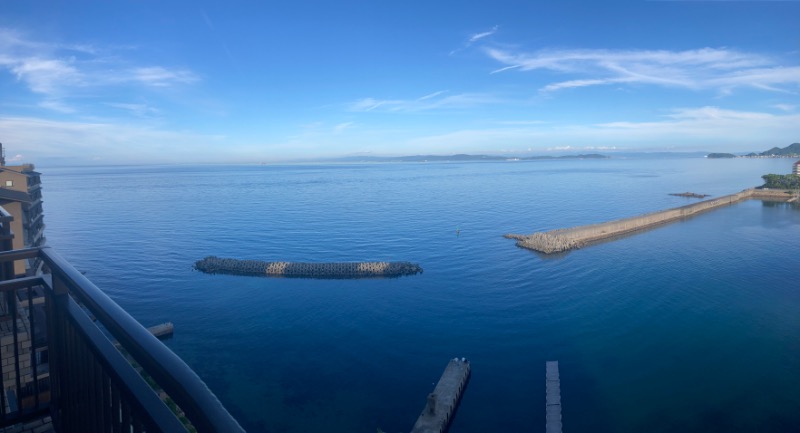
[719, 69]
[370, 104]
[475, 37]
[521, 122]
[432, 95]
[435, 100]
[338, 129]
[56, 105]
[59, 71]
[162, 77]
[139, 110]
[785, 107]
[44, 76]
[16, 158]
[478, 36]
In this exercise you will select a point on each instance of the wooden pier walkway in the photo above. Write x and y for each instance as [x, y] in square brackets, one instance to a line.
[443, 401]
[553, 399]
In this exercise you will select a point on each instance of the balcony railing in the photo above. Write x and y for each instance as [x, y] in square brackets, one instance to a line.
[59, 362]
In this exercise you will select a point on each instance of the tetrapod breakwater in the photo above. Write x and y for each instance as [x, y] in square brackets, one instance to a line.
[340, 270]
[556, 241]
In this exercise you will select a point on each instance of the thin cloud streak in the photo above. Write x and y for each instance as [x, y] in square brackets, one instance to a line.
[338, 129]
[44, 76]
[479, 36]
[436, 100]
[139, 110]
[474, 38]
[56, 105]
[161, 77]
[432, 95]
[706, 68]
[785, 107]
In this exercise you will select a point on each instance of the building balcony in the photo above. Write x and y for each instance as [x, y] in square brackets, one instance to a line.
[74, 361]
[36, 234]
[35, 206]
[33, 221]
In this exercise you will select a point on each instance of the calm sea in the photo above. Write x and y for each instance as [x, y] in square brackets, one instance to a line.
[691, 327]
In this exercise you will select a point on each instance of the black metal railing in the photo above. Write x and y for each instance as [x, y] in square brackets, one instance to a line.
[88, 383]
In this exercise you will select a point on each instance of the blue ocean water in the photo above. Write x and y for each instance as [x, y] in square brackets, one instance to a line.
[689, 327]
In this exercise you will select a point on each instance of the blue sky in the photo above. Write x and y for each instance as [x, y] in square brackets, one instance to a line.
[111, 82]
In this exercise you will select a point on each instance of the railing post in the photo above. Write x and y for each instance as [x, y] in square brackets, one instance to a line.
[59, 286]
[55, 301]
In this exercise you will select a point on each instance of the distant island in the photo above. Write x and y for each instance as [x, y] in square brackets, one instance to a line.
[465, 158]
[720, 155]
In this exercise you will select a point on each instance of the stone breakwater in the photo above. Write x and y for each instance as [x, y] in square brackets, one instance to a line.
[345, 270]
[561, 240]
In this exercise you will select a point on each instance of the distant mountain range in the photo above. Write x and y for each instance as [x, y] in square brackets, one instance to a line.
[462, 158]
[790, 150]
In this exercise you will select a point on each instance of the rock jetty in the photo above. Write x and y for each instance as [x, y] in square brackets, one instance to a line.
[343, 270]
[556, 241]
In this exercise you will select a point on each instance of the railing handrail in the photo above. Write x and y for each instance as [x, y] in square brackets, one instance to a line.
[117, 367]
[180, 382]
[20, 254]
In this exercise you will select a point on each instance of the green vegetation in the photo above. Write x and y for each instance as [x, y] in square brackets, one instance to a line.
[721, 155]
[781, 181]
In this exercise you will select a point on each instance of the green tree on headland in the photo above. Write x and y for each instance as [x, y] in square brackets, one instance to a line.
[781, 181]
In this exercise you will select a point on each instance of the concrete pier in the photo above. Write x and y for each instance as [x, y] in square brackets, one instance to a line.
[553, 398]
[215, 265]
[556, 241]
[443, 401]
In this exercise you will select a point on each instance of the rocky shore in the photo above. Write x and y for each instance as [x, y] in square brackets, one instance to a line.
[344, 270]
